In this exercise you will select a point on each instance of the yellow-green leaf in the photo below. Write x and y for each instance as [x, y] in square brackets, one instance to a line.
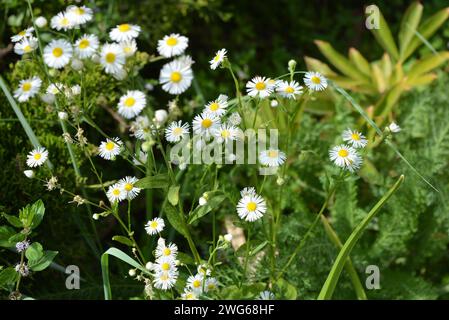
[359, 61]
[409, 24]
[384, 37]
[427, 64]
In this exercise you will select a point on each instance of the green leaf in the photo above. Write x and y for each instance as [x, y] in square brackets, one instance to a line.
[427, 64]
[6, 232]
[409, 24]
[17, 238]
[332, 279]
[8, 276]
[287, 290]
[384, 37]
[13, 220]
[123, 240]
[175, 219]
[38, 210]
[359, 61]
[212, 203]
[105, 268]
[43, 262]
[173, 195]
[185, 258]
[152, 182]
[34, 252]
[259, 248]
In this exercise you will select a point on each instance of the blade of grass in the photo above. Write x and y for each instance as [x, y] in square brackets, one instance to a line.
[333, 276]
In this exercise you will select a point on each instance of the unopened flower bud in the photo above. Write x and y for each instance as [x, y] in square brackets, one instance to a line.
[292, 65]
[29, 173]
[160, 116]
[274, 103]
[132, 272]
[77, 64]
[63, 115]
[40, 22]
[228, 237]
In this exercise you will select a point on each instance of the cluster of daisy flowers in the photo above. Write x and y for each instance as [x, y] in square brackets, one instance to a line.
[123, 189]
[165, 268]
[199, 284]
[346, 156]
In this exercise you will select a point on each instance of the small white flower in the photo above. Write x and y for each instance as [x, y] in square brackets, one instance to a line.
[266, 295]
[29, 173]
[86, 46]
[393, 127]
[272, 157]
[27, 45]
[248, 191]
[165, 264]
[315, 81]
[163, 250]
[112, 58]
[251, 207]
[154, 226]
[63, 115]
[218, 106]
[110, 148]
[129, 47]
[24, 34]
[228, 237]
[195, 283]
[205, 124]
[202, 201]
[55, 88]
[62, 21]
[128, 185]
[218, 59]
[79, 15]
[260, 86]
[116, 193]
[176, 131]
[76, 89]
[189, 295]
[211, 284]
[165, 280]
[345, 157]
[289, 89]
[274, 103]
[40, 22]
[77, 64]
[235, 119]
[37, 157]
[160, 116]
[27, 89]
[172, 45]
[124, 32]
[58, 53]
[176, 77]
[132, 103]
[226, 132]
[355, 138]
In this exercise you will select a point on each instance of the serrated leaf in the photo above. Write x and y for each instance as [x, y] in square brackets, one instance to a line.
[152, 182]
[34, 252]
[123, 240]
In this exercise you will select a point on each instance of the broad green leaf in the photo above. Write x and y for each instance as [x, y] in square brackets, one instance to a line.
[359, 61]
[175, 219]
[339, 61]
[409, 25]
[17, 237]
[185, 258]
[6, 232]
[38, 210]
[43, 262]
[123, 240]
[173, 195]
[333, 276]
[34, 252]
[213, 202]
[384, 37]
[13, 220]
[8, 276]
[151, 182]
[287, 290]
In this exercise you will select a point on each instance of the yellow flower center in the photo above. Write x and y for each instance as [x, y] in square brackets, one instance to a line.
[128, 187]
[27, 48]
[110, 57]
[189, 296]
[166, 252]
[79, 11]
[172, 41]
[153, 224]
[177, 131]
[251, 206]
[116, 192]
[110, 146]
[343, 153]
[57, 52]
[214, 106]
[84, 44]
[22, 33]
[260, 85]
[65, 21]
[164, 276]
[26, 86]
[127, 49]
[129, 102]
[225, 134]
[206, 123]
[211, 286]
[315, 80]
[272, 153]
[289, 90]
[355, 136]
[165, 266]
[176, 76]
[196, 283]
[217, 57]
[37, 156]
[124, 27]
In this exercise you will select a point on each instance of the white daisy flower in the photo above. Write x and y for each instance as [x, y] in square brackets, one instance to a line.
[110, 148]
[129, 47]
[142, 129]
[79, 15]
[195, 283]
[218, 106]
[112, 58]
[248, 191]
[235, 119]
[62, 21]
[177, 131]
[132, 103]
[25, 46]
[86, 46]
[165, 264]
[260, 86]
[203, 270]
[24, 34]
[355, 138]
[154, 226]
[176, 77]
[393, 127]
[27, 89]
[55, 88]
[124, 32]
[172, 45]
[288, 89]
[116, 193]
[205, 124]
[251, 207]
[37, 157]
[218, 59]
[163, 250]
[128, 185]
[225, 132]
[345, 157]
[188, 295]
[272, 157]
[211, 284]
[165, 280]
[266, 295]
[58, 53]
[315, 81]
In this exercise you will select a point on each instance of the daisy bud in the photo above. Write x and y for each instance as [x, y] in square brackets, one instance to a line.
[182, 166]
[63, 115]
[274, 103]
[76, 89]
[202, 201]
[77, 64]
[29, 173]
[146, 146]
[95, 216]
[228, 237]
[95, 58]
[132, 272]
[280, 181]
[394, 128]
[48, 98]
[177, 262]
[160, 116]
[292, 65]
[53, 72]
[149, 266]
[120, 74]
[149, 86]
[40, 22]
